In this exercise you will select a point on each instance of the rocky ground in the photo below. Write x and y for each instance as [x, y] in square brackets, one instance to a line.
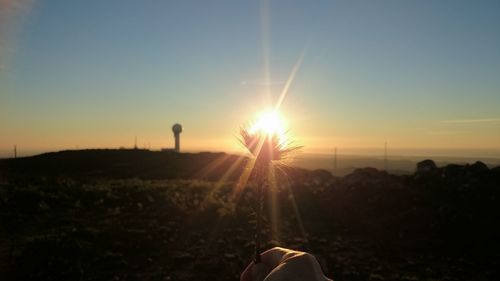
[438, 224]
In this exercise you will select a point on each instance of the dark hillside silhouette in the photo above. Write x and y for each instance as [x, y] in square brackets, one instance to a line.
[142, 215]
[123, 163]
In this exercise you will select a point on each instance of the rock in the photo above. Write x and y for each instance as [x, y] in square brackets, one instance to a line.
[478, 167]
[427, 167]
[453, 171]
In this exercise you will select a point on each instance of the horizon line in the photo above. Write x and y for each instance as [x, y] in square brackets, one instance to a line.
[429, 154]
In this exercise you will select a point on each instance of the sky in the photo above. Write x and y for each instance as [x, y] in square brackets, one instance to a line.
[423, 76]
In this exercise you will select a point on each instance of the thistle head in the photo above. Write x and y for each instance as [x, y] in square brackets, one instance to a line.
[265, 146]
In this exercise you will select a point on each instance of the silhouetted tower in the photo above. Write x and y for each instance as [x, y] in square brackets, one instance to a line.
[335, 160]
[385, 156]
[135, 142]
[177, 129]
[15, 151]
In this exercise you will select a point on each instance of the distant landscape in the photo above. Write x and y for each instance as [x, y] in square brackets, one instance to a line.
[346, 163]
[401, 165]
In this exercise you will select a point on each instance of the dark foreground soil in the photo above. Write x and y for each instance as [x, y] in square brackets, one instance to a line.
[434, 225]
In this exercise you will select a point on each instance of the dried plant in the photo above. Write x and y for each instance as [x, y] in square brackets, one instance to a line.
[268, 149]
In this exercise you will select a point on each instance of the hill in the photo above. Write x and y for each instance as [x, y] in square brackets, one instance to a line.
[123, 163]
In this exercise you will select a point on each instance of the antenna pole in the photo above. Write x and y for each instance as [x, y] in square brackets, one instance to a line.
[15, 151]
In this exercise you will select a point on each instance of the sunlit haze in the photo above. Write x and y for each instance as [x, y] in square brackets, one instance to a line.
[422, 76]
[269, 123]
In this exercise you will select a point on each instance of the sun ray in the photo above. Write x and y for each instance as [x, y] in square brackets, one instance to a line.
[266, 141]
[220, 182]
[205, 171]
[290, 79]
[243, 180]
[296, 210]
[274, 204]
[265, 29]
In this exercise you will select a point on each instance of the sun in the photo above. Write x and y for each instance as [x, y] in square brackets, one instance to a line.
[269, 123]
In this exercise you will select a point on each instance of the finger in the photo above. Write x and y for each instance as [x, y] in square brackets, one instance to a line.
[271, 259]
[246, 275]
[255, 272]
[275, 256]
[299, 267]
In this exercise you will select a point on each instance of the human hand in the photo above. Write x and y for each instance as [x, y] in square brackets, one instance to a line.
[281, 264]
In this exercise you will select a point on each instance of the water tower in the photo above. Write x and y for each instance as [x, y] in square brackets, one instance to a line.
[177, 129]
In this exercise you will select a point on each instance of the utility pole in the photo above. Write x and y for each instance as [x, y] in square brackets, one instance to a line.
[135, 142]
[15, 151]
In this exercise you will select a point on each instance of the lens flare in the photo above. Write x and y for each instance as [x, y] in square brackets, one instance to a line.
[269, 123]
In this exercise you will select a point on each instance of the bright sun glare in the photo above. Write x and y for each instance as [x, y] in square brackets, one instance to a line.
[269, 123]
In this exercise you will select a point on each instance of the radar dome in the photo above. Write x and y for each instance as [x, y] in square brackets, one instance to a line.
[177, 128]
